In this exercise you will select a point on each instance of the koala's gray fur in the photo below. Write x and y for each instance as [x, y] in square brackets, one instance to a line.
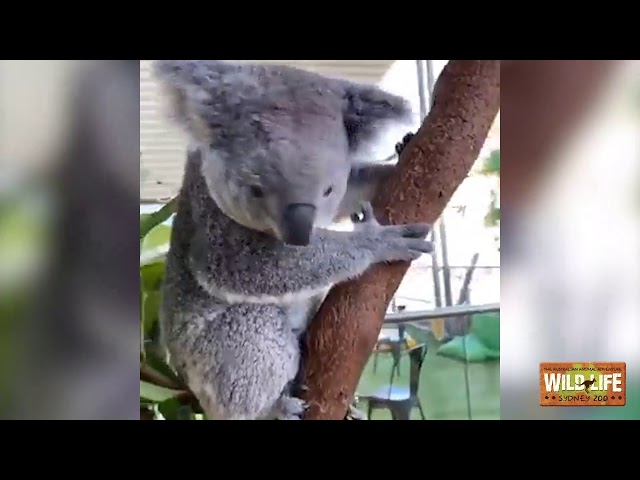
[271, 164]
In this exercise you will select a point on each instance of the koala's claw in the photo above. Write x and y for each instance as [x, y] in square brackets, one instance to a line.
[419, 245]
[401, 145]
[290, 408]
[405, 242]
[297, 389]
[415, 230]
[366, 215]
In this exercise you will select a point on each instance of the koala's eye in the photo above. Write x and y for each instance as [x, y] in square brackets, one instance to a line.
[257, 192]
[328, 191]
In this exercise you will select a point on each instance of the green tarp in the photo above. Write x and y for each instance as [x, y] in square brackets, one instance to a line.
[482, 343]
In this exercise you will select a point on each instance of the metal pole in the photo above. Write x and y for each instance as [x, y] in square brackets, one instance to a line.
[435, 269]
[422, 87]
[446, 271]
[444, 312]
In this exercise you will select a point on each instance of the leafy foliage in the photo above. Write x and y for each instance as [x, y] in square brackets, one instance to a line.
[163, 395]
[491, 165]
[491, 168]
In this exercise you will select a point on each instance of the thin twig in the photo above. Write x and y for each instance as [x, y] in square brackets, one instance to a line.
[149, 374]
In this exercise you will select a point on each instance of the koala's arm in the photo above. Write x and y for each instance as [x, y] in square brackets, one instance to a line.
[259, 269]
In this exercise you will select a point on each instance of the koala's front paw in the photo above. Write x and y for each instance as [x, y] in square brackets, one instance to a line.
[401, 145]
[404, 242]
[290, 408]
[400, 242]
[297, 388]
[394, 242]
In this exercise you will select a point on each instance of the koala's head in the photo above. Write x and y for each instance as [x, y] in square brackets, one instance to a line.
[277, 142]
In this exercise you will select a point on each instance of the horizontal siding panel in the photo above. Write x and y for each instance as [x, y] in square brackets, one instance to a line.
[373, 69]
[161, 152]
[153, 145]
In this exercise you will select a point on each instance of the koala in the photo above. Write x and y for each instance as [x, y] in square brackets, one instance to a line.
[271, 165]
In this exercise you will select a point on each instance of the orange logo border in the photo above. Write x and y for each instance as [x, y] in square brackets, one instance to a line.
[581, 399]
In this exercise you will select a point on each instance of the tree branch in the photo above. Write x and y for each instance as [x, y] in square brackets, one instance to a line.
[431, 167]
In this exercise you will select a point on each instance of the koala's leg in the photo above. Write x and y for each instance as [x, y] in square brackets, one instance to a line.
[289, 407]
[297, 387]
[238, 361]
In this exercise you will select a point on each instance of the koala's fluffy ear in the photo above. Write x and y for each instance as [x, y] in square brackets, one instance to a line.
[186, 86]
[368, 111]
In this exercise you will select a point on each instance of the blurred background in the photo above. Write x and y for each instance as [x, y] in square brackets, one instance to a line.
[570, 235]
[69, 281]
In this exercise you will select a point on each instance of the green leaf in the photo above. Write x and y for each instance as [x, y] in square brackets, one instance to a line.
[151, 308]
[148, 221]
[157, 237]
[156, 241]
[173, 410]
[492, 218]
[169, 409]
[156, 256]
[492, 164]
[142, 322]
[152, 275]
[156, 393]
[155, 245]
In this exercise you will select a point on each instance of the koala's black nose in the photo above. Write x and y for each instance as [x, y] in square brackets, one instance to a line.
[297, 223]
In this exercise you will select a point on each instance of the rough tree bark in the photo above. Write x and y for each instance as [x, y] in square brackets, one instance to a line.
[431, 167]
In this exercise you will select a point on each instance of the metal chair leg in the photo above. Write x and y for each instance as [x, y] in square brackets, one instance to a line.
[400, 412]
[421, 411]
[396, 361]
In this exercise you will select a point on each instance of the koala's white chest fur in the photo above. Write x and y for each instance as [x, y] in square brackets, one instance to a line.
[299, 314]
